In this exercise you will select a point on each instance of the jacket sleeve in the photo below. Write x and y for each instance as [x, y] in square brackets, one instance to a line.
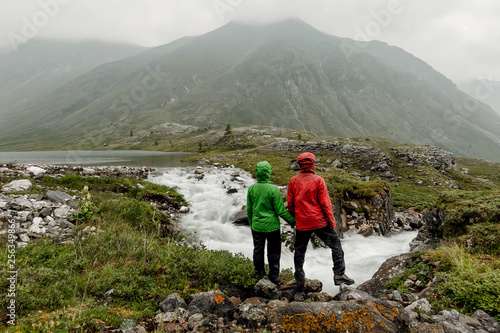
[290, 199]
[279, 207]
[326, 203]
[249, 207]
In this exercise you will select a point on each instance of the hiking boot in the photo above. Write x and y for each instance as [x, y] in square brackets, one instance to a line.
[278, 281]
[339, 279]
[300, 284]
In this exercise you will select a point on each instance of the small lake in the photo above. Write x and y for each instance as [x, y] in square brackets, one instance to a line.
[131, 158]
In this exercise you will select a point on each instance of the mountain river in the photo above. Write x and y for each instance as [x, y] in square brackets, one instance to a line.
[210, 222]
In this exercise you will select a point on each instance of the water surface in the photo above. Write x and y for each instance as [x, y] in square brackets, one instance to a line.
[131, 158]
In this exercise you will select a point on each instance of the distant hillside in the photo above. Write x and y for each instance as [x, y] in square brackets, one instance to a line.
[40, 67]
[486, 91]
[286, 74]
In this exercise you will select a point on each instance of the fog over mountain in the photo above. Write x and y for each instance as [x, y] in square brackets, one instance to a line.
[285, 74]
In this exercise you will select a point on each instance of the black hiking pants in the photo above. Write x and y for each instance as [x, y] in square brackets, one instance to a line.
[330, 238]
[273, 253]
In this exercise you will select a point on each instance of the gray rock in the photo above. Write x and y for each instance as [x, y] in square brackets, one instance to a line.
[251, 315]
[17, 186]
[212, 302]
[36, 172]
[265, 288]
[489, 323]
[241, 218]
[62, 212]
[421, 305]
[390, 268]
[60, 198]
[338, 317]
[172, 302]
[24, 238]
[21, 203]
[348, 293]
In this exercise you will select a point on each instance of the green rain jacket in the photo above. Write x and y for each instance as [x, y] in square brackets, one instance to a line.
[264, 203]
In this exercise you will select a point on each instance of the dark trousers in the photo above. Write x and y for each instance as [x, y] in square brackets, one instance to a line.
[330, 238]
[273, 252]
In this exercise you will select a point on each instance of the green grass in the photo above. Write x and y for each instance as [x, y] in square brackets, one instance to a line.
[472, 283]
[66, 283]
[468, 265]
[481, 168]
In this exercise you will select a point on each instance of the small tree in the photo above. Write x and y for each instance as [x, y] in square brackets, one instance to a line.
[131, 133]
[228, 130]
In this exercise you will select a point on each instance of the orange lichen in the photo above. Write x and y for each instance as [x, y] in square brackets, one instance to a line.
[219, 298]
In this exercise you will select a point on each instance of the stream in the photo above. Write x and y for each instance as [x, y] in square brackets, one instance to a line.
[210, 222]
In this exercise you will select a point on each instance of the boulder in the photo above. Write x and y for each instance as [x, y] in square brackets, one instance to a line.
[61, 198]
[212, 302]
[241, 217]
[36, 172]
[172, 302]
[17, 186]
[390, 268]
[346, 316]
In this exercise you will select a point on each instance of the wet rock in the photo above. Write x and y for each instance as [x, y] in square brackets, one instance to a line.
[390, 268]
[241, 218]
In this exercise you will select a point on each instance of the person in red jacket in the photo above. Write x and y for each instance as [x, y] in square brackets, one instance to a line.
[310, 204]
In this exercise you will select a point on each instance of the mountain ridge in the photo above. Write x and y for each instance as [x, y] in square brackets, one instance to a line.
[286, 74]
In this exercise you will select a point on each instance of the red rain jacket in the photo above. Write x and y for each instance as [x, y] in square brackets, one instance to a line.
[308, 198]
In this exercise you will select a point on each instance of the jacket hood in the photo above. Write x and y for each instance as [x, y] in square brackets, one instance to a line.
[306, 162]
[263, 170]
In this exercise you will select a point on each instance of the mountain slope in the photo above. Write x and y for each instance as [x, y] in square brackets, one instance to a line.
[40, 67]
[286, 74]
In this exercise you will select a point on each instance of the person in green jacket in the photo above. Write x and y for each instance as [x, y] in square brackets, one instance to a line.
[264, 209]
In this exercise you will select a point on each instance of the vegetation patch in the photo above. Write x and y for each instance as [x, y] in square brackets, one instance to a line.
[121, 269]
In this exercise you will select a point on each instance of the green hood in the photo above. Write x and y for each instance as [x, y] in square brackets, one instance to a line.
[263, 170]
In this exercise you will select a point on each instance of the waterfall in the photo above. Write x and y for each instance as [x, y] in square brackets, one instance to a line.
[212, 210]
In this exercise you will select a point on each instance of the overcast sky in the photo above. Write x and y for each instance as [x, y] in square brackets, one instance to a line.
[459, 38]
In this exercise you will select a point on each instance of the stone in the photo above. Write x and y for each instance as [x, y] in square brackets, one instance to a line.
[60, 198]
[172, 302]
[62, 212]
[265, 288]
[212, 302]
[21, 203]
[414, 308]
[17, 186]
[36, 172]
[348, 293]
[251, 315]
[390, 268]
[346, 316]
[24, 238]
[489, 323]
[241, 217]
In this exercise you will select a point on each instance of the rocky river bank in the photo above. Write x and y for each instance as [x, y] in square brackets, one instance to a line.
[266, 307]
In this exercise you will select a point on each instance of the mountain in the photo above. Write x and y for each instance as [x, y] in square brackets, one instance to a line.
[486, 91]
[286, 74]
[40, 67]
